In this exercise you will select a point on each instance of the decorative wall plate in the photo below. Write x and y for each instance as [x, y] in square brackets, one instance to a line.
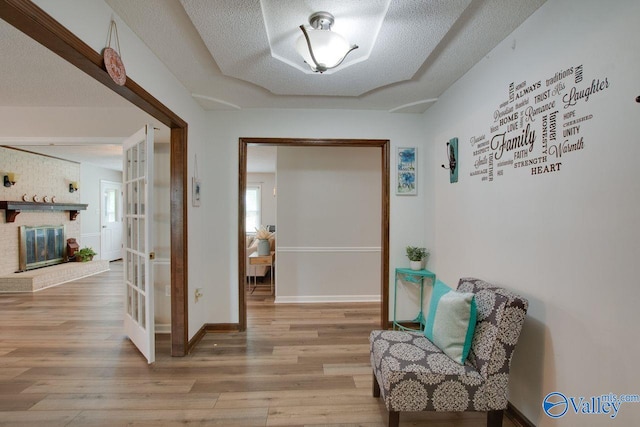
[36, 198]
[45, 199]
[25, 198]
[53, 199]
[114, 66]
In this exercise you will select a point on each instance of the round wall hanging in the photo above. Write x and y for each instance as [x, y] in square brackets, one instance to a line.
[112, 61]
[114, 66]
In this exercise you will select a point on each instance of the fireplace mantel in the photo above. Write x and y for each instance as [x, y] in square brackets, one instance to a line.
[14, 208]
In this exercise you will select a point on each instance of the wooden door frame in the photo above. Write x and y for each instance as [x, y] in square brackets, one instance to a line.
[40, 26]
[383, 144]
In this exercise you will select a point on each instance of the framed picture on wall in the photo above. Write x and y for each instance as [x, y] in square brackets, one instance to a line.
[406, 171]
[195, 197]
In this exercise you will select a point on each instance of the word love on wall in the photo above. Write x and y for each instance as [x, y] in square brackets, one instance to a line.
[541, 125]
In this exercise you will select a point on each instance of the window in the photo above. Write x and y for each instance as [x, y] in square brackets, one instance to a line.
[252, 204]
[110, 205]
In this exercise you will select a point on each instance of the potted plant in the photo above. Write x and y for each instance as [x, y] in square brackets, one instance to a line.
[416, 255]
[263, 235]
[85, 254]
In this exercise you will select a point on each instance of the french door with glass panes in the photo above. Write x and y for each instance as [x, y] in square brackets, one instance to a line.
[137, 178]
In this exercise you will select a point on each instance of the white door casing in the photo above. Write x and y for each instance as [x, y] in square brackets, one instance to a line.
[138, 244]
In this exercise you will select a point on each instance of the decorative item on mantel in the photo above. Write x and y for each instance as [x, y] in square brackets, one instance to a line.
[263, 235]
[72, 248]
[416, 255]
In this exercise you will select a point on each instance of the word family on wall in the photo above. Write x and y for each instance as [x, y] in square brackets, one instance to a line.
[539, 127]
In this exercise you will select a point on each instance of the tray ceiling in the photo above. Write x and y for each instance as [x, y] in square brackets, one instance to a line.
[233, 54]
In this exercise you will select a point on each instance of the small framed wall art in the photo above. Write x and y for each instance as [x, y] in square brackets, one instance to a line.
[195, 184]
[195, 197]
[406, 171]
[453, 160]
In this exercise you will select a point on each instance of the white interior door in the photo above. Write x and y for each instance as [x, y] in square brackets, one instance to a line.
[111, 220]
[138, 244]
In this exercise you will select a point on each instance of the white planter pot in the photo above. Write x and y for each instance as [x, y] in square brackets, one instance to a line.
[416, 265]
[263, 247]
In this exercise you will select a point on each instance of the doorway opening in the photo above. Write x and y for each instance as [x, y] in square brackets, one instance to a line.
[38, 25]
[384, 146]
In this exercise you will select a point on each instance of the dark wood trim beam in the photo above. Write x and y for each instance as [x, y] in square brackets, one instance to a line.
[14, 208]
[301, 142]
[242, 255]
[37, 24]
[386, 219]
[179, 243]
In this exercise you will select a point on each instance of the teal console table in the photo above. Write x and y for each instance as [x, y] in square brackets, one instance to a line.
[415, 277]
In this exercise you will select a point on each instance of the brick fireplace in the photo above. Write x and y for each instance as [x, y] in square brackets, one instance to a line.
[38, 176]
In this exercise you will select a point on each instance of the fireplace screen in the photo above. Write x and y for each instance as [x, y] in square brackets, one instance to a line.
[41, 246]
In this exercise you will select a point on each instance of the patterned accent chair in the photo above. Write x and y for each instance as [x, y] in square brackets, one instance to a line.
[412, 374]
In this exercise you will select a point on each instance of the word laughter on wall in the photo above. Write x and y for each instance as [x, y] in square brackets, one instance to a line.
[540, 126]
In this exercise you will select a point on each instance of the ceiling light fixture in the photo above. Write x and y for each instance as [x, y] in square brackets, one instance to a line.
[321, 48]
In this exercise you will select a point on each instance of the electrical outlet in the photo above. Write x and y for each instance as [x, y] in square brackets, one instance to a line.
[167, 290]
[198, 294]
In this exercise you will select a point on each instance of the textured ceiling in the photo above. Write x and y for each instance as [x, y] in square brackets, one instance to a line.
[33, 76]
[235, 54]
[256, 43]
[411, 52]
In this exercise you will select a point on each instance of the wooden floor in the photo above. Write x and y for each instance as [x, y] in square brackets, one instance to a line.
[64, 361]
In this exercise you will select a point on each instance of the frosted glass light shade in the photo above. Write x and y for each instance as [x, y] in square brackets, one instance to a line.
[329, 48]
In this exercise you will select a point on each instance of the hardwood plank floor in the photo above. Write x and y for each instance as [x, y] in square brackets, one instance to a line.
[64, 361]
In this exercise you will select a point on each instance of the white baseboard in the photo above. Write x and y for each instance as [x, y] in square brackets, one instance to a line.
[163, 328]
[326, 298]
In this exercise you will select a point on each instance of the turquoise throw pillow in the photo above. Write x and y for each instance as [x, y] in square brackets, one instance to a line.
[451, 321]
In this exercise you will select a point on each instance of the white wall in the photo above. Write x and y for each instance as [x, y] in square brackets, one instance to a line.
[329, 216]
[89, 183]
[567, 240]
[68, 122]
[411, 217]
